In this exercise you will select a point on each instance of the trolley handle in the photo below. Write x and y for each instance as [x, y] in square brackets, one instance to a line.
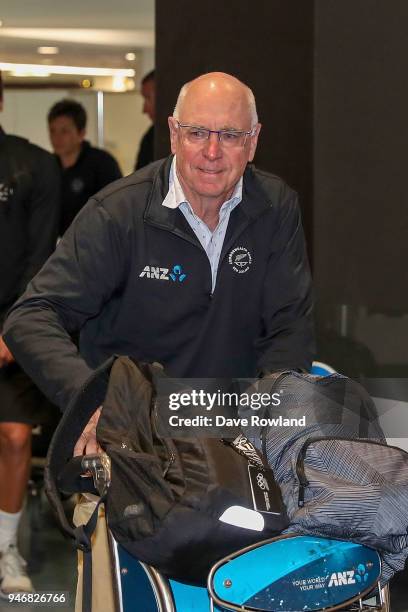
[85, 474]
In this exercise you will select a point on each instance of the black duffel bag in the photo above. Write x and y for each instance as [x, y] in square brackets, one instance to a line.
[166, 495]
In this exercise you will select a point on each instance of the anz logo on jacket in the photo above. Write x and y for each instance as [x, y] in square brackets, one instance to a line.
[155, 272]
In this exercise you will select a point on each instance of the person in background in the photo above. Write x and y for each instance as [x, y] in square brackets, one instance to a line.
[146, 151]
[85, 169]
[29, 214]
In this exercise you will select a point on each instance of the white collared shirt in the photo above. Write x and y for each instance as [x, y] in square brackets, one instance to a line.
[211, 241]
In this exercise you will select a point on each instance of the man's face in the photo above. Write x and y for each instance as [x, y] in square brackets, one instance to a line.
[65, 137]
[210, 169]
[149, 95]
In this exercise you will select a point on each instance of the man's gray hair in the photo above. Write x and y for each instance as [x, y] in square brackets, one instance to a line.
[250, 96]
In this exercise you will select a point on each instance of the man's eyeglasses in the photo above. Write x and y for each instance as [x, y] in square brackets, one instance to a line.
[228, 138]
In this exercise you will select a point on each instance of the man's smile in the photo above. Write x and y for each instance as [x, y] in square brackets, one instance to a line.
[209, 171]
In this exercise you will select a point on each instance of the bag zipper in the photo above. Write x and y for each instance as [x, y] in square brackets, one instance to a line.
[300, 466]
[170, 454]
[278, 379]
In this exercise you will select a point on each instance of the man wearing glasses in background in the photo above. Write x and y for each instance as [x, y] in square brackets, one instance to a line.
[197, 261]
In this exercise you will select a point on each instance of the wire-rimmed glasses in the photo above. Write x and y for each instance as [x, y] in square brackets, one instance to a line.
[195, 134]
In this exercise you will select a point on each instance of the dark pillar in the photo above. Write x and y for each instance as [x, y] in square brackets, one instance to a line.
[361, 134]
[268, 44]
[360, 194]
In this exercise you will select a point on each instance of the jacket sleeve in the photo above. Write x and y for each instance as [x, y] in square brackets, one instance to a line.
[287, 339]
[43, 212]
[86, 268]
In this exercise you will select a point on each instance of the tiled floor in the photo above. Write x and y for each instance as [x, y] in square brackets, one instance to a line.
[51, 558]
[52, 563]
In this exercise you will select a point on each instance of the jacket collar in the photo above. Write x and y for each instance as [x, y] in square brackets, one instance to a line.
[85, 146]
[254, 201]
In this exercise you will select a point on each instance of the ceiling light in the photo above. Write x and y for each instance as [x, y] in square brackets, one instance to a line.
[130, 57]
[118, 83]
[30, 72]
[121, 38]
[74, 70]
[48, 50]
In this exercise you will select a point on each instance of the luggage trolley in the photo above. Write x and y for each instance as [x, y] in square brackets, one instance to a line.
[290, 573]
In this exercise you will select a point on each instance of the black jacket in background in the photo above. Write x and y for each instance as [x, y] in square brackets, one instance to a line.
[132, 276]
[93, 170]
[146, 150]
[29, 214]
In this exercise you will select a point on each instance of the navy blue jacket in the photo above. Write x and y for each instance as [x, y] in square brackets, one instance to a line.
[93, 169]
[131, 275]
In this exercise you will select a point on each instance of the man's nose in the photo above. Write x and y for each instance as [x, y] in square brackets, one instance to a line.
[212, 148]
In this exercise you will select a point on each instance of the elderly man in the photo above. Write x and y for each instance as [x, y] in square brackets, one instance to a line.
[197, 261]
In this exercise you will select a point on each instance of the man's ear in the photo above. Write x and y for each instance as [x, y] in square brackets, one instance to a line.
[173, 134]
[254, 142]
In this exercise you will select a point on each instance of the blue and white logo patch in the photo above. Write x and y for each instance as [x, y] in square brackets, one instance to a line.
[176, 274]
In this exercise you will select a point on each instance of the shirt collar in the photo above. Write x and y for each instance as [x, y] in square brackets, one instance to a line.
[175, 196]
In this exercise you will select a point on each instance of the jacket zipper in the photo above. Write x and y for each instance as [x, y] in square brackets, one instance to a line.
[300, 461]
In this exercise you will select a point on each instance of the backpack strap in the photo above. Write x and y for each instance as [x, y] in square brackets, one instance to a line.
[83, 537]
[99, 468]
[70, 427]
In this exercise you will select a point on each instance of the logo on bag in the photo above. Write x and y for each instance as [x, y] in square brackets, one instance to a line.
[177, 275]
[262, 482]
[134, 510]
[240, 259]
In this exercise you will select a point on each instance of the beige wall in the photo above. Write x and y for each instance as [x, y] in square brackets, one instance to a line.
[25, 112]
[124, 126]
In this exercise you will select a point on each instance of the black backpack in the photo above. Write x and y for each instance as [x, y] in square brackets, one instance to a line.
[166, 495]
